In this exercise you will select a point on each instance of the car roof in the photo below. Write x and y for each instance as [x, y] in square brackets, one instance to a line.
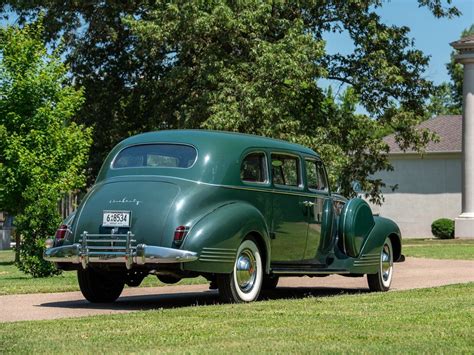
[206, 138]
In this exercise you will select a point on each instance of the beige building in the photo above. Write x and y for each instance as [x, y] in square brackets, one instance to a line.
[423, 188]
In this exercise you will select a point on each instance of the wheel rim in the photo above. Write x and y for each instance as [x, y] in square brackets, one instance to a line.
[386, 263]
[246, 270]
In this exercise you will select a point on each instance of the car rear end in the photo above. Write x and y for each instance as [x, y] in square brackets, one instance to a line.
[126, 219]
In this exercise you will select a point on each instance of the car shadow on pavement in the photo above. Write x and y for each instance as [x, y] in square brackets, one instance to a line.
[191, 299]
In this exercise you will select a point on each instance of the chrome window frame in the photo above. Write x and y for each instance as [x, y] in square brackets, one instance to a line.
[300, 186]
[267, 173]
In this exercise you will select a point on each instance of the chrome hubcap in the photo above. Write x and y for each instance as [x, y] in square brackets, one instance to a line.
[246, 270]
[386, 262]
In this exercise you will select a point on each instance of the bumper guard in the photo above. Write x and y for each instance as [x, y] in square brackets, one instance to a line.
[115, 248]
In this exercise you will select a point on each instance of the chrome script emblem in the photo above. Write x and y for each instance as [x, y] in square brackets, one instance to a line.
[126, 200]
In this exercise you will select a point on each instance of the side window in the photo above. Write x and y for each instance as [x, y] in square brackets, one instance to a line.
[254, 168]
[285, 169]
[316, 176]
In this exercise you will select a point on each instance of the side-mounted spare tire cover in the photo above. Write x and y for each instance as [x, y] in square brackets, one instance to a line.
[356, 222]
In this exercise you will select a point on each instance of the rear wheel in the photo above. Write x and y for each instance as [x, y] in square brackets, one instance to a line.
[99, 287]
[381, 281]
[244, 283]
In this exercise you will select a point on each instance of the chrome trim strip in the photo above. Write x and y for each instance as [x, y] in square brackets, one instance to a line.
[220, 250]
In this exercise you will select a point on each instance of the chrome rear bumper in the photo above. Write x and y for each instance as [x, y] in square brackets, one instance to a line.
[117, 248]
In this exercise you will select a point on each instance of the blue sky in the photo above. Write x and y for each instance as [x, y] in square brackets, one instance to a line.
[431, 35]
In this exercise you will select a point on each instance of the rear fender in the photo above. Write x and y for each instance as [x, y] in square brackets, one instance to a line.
[217, 235]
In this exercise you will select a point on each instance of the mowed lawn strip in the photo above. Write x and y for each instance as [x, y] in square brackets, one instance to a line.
[437, 320]
[14, 281]
[461, 249]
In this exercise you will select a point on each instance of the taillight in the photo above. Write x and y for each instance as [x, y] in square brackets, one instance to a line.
[180, 233]
[61, 232]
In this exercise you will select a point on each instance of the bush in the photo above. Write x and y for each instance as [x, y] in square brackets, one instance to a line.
[443, 228]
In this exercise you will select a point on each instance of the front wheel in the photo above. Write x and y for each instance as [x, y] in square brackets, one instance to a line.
[244, 283]
[380, 282]
[99, 287]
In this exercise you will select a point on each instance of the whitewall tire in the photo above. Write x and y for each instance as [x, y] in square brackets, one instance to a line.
[382, 280]
[244, 283]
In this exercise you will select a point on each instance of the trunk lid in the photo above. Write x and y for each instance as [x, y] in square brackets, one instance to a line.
[148, 203]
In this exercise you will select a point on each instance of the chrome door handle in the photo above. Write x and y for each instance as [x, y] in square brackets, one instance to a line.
[308, 203]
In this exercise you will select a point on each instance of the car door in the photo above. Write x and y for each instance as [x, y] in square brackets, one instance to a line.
[321, 211]
[290, 214]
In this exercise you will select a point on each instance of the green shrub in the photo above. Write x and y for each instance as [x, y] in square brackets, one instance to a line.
[443, 228]
[42, 151]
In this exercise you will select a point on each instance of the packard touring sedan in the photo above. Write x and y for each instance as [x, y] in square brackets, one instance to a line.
[240, 210]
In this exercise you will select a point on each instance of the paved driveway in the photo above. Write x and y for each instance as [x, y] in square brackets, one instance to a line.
[414, 273]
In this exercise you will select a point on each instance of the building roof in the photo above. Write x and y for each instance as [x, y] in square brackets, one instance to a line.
[449, 130]
[464, 43]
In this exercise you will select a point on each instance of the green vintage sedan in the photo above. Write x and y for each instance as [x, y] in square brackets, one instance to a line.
[238, 209]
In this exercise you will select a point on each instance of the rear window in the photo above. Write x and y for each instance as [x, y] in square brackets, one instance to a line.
[156, 156]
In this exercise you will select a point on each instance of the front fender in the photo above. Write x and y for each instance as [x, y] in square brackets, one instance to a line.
[217, 235]
[383, 228]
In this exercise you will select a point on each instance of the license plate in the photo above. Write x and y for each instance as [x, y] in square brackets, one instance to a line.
[116, 219]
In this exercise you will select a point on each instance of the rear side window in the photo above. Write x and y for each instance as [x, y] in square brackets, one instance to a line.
[156, 156]
[316, 176]
[285, 170]
[254, 168]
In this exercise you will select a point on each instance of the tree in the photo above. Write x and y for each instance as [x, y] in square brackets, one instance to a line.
[243, 66]
[42, 153]
[442, 102]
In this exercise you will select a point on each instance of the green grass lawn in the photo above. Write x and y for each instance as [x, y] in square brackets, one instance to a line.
[437, 320]
[439, 248]
[13, 281]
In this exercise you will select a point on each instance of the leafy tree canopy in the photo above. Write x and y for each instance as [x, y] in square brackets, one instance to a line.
[42, 153]
[246, 66]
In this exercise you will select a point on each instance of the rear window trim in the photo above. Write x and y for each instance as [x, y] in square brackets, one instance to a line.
[154, 167]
